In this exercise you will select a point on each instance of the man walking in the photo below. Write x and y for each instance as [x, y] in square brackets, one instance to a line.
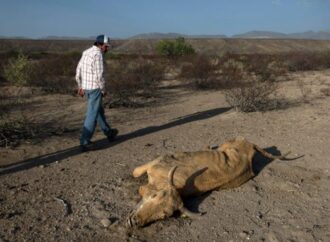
[90, 80]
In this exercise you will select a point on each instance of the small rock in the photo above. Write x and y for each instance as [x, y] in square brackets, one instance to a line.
[99, 213]
[243, 234]
[42, 166]
[105, 222]
[259, 215]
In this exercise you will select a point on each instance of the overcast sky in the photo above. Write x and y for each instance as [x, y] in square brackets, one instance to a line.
[125, 18]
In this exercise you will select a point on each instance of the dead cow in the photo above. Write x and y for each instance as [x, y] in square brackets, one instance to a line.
[172, 177]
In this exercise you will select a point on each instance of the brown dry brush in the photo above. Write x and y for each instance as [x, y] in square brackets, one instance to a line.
[246, 88]
[199, 71]
[131, 82]
[251, 89]
[17, 125]
[53, 73]
[306, 61]
[14, 128]
[253, 96]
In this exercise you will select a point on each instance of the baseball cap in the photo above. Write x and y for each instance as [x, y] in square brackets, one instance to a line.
[103, 39]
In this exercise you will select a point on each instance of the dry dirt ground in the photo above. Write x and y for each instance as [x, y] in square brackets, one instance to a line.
[51, 192]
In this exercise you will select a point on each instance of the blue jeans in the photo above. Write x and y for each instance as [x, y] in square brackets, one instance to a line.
[95, 114]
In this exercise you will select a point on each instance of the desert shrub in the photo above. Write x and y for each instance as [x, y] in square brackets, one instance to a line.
[252, 96]
[265, 66]
[13, 131]
[18, 70]
[205, 73]
[199, 71]
[231, 73]
[305, 61]
[129, 81]
[17, 126]
[174, 48]
[165, 48]
[304, 90]
[274, 70]
[55, 74]
[4, 57]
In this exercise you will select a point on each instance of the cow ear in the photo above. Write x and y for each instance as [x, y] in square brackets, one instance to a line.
[189, 214]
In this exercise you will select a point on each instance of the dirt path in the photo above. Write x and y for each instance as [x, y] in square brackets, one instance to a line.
[286, 201]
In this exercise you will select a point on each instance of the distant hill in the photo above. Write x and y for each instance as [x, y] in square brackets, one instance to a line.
[321, 35]
[324, 35]
[317, 35]
[260, 35]
[219, 46]
[54, 37]
[173, 36]
[208, 46]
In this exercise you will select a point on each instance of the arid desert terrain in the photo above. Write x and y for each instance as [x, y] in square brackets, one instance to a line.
[50, 191]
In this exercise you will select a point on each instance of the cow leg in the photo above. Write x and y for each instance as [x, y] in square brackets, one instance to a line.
[140, 170]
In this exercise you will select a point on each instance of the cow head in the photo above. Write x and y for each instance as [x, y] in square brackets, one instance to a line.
[158, 204]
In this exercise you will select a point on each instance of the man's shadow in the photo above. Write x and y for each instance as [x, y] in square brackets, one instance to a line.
[259, 162]
[104, 143]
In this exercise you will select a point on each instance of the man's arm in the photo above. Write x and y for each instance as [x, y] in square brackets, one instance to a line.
[99, 69]
[78, 73]
[78, 79]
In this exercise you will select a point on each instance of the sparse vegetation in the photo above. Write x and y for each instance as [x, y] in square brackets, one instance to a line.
[249, 81]
[174, 48]
[130, 81]
[19, 70]
[200, 72]
[304, 90]
[252, 96]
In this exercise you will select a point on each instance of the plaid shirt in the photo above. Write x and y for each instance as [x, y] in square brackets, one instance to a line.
[89, 72]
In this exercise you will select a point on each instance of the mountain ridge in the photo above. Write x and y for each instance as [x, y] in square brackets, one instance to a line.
[254, 34]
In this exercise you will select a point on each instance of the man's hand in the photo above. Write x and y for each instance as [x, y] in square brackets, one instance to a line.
[81, 92]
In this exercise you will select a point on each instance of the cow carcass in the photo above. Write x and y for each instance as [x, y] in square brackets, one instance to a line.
[173, 177]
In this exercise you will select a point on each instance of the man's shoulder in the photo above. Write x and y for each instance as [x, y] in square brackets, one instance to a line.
[92, 51]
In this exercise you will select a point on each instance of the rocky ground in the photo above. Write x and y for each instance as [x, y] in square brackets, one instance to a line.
[50, 191]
